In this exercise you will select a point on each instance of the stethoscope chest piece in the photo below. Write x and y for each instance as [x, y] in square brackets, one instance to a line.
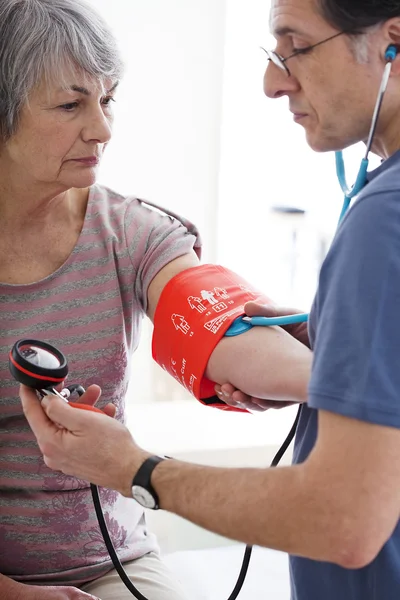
[37, 364]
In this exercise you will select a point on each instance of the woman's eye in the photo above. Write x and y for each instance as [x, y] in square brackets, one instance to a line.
[70, 106]
[107, 101]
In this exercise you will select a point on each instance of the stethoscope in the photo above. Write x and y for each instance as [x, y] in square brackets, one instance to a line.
[242, 324]
[43, 367]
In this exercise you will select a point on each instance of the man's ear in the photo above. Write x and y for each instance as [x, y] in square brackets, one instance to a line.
[392, 38]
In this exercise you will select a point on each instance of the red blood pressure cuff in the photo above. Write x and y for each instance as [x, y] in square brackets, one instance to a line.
[194, 311]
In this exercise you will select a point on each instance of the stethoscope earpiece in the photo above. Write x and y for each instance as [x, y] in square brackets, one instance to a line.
[391, 53]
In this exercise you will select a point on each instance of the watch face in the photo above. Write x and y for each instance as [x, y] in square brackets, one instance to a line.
[141, 495]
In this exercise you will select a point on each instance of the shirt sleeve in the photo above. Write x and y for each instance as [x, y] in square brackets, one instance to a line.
[356, 370]
[155, 237]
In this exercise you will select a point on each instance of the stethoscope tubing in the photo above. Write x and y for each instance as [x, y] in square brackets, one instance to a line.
[270, 321]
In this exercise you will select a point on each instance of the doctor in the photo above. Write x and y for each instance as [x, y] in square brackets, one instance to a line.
[336, 510]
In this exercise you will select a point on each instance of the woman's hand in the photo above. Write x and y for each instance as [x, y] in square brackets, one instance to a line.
[39, 592]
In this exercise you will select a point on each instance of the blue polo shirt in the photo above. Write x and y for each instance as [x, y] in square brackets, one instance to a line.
[354, 330]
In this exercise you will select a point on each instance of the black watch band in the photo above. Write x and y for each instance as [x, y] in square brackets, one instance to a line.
[142, 490]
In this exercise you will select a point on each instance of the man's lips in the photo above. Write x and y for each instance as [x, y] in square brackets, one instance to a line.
[298, 114]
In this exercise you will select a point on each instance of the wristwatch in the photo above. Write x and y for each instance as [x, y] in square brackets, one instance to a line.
[142, 490]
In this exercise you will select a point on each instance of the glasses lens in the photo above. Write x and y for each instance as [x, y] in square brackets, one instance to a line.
[276, 59]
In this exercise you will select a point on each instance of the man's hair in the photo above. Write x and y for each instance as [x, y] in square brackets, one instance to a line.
[39, 39]
[357, 16]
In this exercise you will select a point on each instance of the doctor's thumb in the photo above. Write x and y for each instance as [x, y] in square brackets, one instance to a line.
[67, 416]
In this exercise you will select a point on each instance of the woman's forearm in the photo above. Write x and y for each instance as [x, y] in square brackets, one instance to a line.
[10, 589]
[265, 362]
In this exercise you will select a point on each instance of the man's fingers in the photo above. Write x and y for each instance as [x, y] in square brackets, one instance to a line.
[242, 400]
[256, 309]
[276, 404]
[54, 412]
[58, 411]
[110, 410]
[33, 411]
[225, 392]
[91, 395]
[225, 388]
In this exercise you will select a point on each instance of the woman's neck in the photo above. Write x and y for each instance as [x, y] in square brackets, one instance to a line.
[20, 208]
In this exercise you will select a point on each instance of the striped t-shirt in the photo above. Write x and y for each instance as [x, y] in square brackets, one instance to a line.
[90, 308]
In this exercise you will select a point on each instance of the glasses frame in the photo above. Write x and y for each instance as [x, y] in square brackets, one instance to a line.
[280, 61]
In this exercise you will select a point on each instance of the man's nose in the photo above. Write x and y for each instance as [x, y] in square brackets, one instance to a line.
[278, 83]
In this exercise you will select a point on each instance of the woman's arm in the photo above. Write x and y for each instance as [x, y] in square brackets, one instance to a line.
[13, 590]
[264, 362]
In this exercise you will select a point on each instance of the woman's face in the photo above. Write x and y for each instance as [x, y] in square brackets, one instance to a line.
[62, 134]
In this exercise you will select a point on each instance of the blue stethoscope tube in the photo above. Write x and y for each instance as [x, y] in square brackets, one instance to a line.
[242, 324]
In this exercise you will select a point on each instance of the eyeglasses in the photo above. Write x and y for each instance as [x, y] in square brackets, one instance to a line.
[280, 61]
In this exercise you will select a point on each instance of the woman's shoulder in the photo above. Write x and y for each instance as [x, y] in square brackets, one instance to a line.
[104, 199]
[115, 207]
[110, 210]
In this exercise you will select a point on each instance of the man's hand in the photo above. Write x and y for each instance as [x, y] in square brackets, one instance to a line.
[238, 399]
[234, 397]
[297, 330]
[66, 435]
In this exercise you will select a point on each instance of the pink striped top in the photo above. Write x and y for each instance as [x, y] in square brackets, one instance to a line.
[91, 308]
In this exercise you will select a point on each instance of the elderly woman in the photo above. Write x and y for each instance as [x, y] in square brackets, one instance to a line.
[79, 267]
[76, 261]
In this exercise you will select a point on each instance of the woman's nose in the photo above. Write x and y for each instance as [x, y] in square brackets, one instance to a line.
[99, 128]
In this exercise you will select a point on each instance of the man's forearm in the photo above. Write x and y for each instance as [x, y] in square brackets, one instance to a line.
[275, 508]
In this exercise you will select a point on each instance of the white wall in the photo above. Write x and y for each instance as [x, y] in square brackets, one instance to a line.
[166, 142]
[167, 128]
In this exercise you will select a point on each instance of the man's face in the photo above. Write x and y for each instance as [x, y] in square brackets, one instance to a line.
[330, 94]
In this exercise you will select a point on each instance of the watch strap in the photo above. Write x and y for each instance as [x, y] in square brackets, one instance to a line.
[143, 476]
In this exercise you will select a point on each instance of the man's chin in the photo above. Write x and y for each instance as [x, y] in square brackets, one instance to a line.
[319, 143]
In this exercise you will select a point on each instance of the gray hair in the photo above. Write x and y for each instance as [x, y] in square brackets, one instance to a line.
[361, 44]
[39, 39]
